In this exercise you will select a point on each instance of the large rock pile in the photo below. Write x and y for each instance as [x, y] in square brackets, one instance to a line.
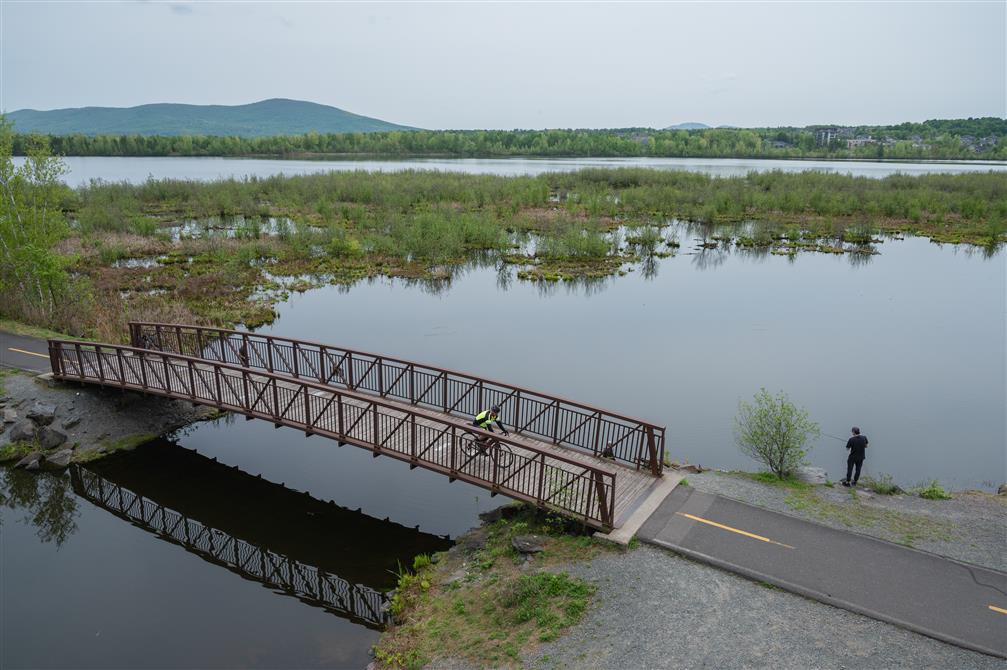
[37, 429]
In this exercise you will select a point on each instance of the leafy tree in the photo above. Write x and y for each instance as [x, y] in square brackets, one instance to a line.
[33, 279]
[773, 430]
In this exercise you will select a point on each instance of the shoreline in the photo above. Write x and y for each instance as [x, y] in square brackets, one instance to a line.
[84, 423]
[694, 605]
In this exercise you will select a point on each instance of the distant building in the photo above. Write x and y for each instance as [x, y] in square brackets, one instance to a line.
[860, 141]
[824, 136]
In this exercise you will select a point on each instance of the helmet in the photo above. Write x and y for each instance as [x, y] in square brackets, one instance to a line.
[495, 409]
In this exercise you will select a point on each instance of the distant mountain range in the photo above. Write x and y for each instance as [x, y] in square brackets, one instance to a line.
[277, 116]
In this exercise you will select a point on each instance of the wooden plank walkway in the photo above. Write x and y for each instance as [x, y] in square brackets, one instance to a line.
[598, 491]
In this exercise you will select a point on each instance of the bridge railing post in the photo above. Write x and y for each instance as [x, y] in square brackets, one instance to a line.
[97, 357]
[122, 371]
[192, 380]
[308, 423]
[454, 450]
[339, 415]
[540, 494]
[412, 438]
[216, 383]
[55, 361]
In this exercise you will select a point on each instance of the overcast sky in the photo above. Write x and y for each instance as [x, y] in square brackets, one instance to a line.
[520, 65]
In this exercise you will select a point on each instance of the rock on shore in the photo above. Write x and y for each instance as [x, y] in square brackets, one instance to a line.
[71, 423]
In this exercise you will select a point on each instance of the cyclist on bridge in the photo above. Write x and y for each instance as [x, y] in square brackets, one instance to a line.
[486, 418]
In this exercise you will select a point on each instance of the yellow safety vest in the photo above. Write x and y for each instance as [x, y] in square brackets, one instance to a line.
[483, 418]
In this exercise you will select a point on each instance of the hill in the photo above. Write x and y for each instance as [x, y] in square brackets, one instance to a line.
[277, 116]
[691, 125]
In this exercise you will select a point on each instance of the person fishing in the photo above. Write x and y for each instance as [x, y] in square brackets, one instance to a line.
[485, 420]
[857, 446]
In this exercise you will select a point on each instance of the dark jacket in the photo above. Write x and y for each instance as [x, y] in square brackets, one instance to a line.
[857, 446]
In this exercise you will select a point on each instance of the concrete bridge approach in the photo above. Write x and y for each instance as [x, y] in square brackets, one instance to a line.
[586, 463]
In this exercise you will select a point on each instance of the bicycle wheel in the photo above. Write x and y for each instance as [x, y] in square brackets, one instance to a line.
[504, 455]
[470, 444]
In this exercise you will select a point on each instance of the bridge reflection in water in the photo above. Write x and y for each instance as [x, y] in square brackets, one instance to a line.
[325, 555]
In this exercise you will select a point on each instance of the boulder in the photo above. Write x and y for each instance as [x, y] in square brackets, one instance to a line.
[22, 431]
[49, 438]
[9, 415]
[528, 544]
[60, 459]
[71, 422]
[42, 413]
[33, 457]
[1002, 491]
[811, 475]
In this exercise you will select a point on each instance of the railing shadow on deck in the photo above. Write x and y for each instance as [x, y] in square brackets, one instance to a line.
[563, 422]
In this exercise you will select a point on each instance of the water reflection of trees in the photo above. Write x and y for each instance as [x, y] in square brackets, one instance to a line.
[986, 251]
[707, 259]
[861, 256]
[586, 286]
[46, 499]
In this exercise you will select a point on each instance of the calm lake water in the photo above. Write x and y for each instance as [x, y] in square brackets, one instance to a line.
[84, 169]
[909, 344]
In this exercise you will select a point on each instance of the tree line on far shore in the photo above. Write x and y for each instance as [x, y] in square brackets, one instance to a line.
[984, 138]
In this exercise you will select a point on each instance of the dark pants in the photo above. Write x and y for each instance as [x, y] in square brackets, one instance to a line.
[851, 461]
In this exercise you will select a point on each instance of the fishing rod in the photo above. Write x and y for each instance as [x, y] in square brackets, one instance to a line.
[841, 439]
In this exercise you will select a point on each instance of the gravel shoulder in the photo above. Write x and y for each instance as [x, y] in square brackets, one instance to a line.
[96, 421]
[654, 609]
[970, 527]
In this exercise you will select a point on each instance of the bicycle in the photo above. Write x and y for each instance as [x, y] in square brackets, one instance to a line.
[477, 445]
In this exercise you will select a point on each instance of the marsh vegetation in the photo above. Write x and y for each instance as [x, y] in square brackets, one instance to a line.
[226, 252]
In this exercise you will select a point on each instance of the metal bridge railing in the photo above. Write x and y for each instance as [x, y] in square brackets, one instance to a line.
[304, 581]
[552, 419]
[534, 475]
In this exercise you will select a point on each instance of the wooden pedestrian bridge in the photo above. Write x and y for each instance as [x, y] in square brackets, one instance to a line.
[581, 461]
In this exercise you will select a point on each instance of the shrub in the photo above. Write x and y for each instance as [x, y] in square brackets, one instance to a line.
[773, 431]
[932, 491]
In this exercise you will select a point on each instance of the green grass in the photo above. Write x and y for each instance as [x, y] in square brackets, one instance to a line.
[884, 485]
[25, 330]
[772, 480]
[13, 451]
[552, 601]
[903, 527]
[502, 607]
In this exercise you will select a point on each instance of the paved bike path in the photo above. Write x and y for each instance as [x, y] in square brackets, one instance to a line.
[952, 601]
[25, 353]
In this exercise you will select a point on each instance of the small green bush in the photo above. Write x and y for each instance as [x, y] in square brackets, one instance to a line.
[933, 491]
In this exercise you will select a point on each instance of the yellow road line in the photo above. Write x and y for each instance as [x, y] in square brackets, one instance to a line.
[998, 609]
[30, 353]
[733, 530]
